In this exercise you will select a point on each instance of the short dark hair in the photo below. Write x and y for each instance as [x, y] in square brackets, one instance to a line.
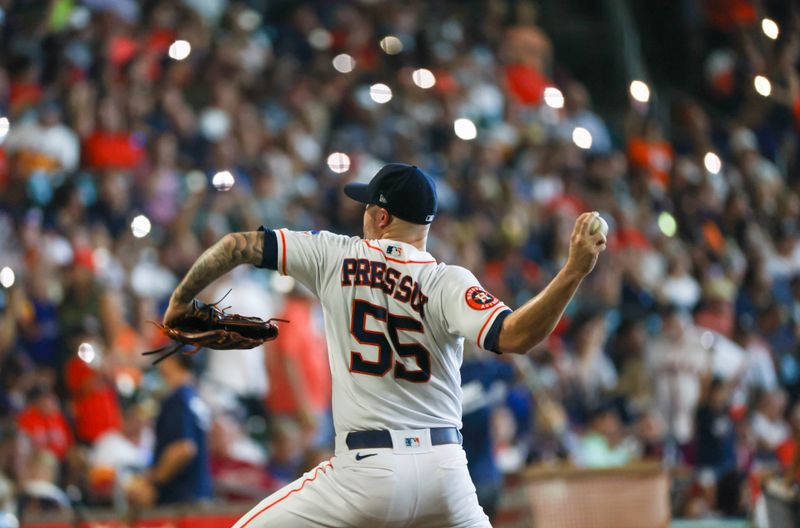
[601, 409]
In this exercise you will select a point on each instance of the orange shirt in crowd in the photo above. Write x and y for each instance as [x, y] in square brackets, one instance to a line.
[786, 453]
[109, 150]
[46, 430]
[97, 409]
[655, 156]
[23, 94]
[306, 346]
[525, 84]
[127, 344]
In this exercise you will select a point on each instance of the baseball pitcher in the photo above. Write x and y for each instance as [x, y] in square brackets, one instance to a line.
[395, 321]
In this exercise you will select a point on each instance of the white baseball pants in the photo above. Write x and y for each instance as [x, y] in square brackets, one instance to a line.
[419, 486]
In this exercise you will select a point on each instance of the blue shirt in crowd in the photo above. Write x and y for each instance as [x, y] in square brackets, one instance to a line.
[184, 416]
[484, 384]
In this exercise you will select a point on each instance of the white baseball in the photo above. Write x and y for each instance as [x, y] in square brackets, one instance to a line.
[600, 224]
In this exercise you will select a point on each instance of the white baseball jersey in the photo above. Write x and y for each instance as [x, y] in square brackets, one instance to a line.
[395, 322]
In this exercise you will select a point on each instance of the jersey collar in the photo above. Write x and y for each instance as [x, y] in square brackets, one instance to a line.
[400, 252]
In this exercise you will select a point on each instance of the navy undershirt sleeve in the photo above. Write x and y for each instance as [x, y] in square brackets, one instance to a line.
[493, 337]
[269, 257]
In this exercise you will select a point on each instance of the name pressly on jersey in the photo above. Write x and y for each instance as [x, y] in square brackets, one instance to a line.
[379, 275]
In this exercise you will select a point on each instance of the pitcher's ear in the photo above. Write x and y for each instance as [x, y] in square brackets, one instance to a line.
[385, 218]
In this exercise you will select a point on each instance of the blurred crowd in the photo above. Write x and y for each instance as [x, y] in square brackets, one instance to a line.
[123, 154]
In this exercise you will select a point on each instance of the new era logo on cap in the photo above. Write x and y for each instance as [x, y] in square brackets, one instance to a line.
[403, 190]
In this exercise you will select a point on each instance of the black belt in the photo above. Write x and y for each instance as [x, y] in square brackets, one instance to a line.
[378, 439]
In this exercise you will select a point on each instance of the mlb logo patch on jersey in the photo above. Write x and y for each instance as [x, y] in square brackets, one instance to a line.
[412, 441]
[312, 232]
[479, 299]
[394, 250]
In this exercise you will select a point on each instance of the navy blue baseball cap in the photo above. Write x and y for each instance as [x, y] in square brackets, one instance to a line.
[403, 190]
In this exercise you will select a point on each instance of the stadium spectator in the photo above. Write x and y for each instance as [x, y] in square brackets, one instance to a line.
[43, 423]
[677, 360]
[484, 383]
[238, 464]
[44, 145]
[679, 288]
[633, 390]
[118, 454]
[579, 114]
[589, 373]
[298, 365]
[787, 452]
[769, 426]
[93, 397]
[111, 145]
[716, 435]
[510, 454]
[39, 492]
[603, 444]
[759, 369]
[238, 377]
[181, 467]
[287, 452]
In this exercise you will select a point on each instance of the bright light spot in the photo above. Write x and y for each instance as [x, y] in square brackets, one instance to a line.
[770, 28]
[320, 39]
[140, 226]
[339, 162]
[706, 339]
[196, 181]
[667, 224]
[125, 384]
[7, 277]
[553, 97]
[640, 91]
[582, 138]
[391, 45]
[86, 352]
[380, 93]
[344, 63]
[180, 49]
[712, 162]
[223, 181]
[465, 129]
[763, 86]
[423, 78]
[5, 125]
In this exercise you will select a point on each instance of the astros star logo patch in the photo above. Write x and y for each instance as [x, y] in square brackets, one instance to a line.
[479, 299]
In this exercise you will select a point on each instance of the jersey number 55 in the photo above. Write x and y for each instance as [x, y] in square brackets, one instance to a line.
[394, 324]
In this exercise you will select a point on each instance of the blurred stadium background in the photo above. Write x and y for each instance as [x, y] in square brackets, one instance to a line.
[134, 134]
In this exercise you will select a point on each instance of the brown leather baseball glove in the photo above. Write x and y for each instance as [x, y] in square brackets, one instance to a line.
[208, 326]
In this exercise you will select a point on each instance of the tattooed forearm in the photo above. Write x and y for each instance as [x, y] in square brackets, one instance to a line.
[229, 252]
[248, 247]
